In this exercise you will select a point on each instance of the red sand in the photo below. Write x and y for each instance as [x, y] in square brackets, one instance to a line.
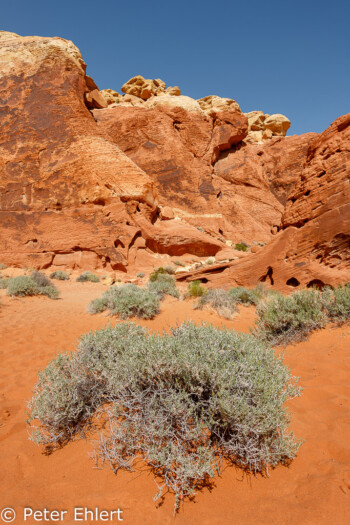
[315, 489]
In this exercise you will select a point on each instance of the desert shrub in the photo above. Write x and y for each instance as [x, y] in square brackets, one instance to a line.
[169, 269]
[219, 300]
[127, 301]
[241, 247]
[181, 401]
[243, 295]
[41, 279]
[4, 283]
[59, 275]
[50, 291]
[282, 319]
[140, 275]
[179, 263]
[195, 289]
[337, 303]
[156, 273]
[22, 286]
[25, 285]
[3, 266]
[163, 284]
[88, 276]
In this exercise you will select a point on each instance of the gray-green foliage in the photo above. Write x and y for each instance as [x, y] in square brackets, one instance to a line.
[163, 284]
[4, 282]
[243, 295]
[24, 285]
[219, 300]
[336, 303]
[181, 401]
[282, 319]
[59, 275]
[88, 276]
[3, 266]
[127, 301]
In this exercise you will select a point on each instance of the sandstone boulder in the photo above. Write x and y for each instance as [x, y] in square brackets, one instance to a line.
[213, 104]
[143, 88]
[278, 124]
[173, 90]
[256, 120]
[180, 101]
[95, 99]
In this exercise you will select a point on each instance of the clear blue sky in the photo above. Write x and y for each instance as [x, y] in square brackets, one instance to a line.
[290, 57]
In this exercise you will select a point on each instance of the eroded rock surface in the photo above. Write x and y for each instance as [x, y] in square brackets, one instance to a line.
[93, 178]
[69, 195]
[313, 246]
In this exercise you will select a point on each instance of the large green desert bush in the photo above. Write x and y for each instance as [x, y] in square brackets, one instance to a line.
[36, 284]
[127, 301]
[181, 401]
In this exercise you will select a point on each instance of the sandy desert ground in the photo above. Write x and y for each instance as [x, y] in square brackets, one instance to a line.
[315, 489]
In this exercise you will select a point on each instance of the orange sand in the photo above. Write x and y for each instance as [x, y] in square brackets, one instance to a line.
[315, 489]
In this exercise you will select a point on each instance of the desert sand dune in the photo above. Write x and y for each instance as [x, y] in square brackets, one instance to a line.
[314, 489]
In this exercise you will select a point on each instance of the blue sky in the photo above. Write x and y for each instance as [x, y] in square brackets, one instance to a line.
[289, 57]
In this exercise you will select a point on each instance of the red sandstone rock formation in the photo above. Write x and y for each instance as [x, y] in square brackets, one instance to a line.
[68, 194]
[235, 194]
[313, 248]
[86, 185]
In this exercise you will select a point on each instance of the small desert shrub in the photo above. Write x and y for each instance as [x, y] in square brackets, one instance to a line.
[140, 275]
[282, 319]
[169, 269]
[51, 291]
[219, 300]
[179, 263]
[60, 275]
[88, 276]
[127, 301]
[163, 284]
[182, 401]
[24, 285]
[243, 295]
[155, 274]
[337, 303]
[3, 266]
[195, 289]
[241, 247]
[41, 279]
